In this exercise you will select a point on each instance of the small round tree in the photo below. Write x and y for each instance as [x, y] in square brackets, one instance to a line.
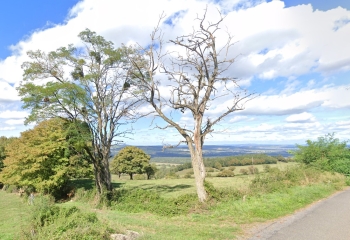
[131, 160]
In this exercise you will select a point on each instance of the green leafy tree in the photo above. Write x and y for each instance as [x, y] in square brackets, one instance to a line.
[38, 158]
[150, 170]
[89, 84]
[131, 160]
[327, 153]
[4, 141]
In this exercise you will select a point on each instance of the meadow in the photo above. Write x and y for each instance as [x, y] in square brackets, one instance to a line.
[168, 209]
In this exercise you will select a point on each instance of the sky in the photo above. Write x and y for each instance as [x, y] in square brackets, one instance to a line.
[295, 54]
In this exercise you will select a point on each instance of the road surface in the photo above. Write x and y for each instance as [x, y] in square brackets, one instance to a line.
[328, 219]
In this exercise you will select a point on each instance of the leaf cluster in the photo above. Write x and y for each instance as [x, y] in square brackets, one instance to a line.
[39, 159]
[131, 160]
[327, 153]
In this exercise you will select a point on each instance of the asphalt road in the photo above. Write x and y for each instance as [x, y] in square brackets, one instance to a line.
[328, 219]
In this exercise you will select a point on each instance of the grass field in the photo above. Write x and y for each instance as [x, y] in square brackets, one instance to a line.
[14, 214]
[212, 220]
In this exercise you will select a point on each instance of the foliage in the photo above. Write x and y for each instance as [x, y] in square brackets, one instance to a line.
[38, 159]
[226, 173]
[277, 180]
[132, 160]
[139, 200]
[240, 160]
[50, 221]
[244, 171]
[327, 153]
[253, 170]
[90, 84]
[4, 141]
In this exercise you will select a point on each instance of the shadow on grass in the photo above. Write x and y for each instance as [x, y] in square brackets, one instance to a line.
[163, 188]
[88, 184]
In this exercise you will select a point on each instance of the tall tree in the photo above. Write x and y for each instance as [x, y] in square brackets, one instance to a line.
[89, 84]
[4, 141]
[39, 158]
[194, 72]
[131, 160]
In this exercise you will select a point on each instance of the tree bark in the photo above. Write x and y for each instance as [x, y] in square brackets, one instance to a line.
[102, 177]
[197, 161]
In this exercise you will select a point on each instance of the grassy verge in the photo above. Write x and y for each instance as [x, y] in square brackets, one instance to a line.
[14, 214]
[218, 221]
[163, 209]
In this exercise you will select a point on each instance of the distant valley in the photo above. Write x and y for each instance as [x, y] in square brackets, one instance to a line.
[215, 150]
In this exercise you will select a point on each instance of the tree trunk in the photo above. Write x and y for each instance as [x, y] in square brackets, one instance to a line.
[198, 165]
[102, 177]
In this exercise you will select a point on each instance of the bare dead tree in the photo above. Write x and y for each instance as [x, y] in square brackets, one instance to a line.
[194, 73]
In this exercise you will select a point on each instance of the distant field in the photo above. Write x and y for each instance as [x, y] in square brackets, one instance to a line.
[180, 186]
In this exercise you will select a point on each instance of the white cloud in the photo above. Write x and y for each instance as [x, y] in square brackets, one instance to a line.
[272, 41]
[301, 118]
[8, 114]
[15, 121]
[7, 128]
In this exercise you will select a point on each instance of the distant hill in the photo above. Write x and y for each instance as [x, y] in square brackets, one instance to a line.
[215, 150]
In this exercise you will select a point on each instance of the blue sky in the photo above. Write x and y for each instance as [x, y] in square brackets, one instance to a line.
[294, 53]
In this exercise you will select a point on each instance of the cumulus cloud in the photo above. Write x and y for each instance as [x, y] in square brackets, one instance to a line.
[272, 42]
[301, 118]
[8, 114]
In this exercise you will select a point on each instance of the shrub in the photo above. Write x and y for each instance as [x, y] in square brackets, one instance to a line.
[327, 153]
[218, 165]
[244, 171]
[139, 177]
[139, 200]
[188, 175]
[232, 168]
[48, 221]
[11, 188]
[210, 169]
[226, 173]
[253, 170]
[267, 168]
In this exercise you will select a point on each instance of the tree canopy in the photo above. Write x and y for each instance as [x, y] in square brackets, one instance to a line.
[327, 153]
[131, 160]
[90, 84]
[4, 141]
[40, 158]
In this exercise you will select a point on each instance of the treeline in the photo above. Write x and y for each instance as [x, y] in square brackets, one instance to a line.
[241, 160]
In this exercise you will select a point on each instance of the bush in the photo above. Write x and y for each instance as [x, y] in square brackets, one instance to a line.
[232, 168]
[139, 177]
[188, 175]
[210, 169]
[267, 168]
[11, 188]
[217, 165]
[139, 200]
[226, 173]
[244, 171]
[48, 221]
[327, 153]
[253, 170]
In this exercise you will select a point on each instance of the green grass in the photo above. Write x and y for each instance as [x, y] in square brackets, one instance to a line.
[216, 219]
[14, 212]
